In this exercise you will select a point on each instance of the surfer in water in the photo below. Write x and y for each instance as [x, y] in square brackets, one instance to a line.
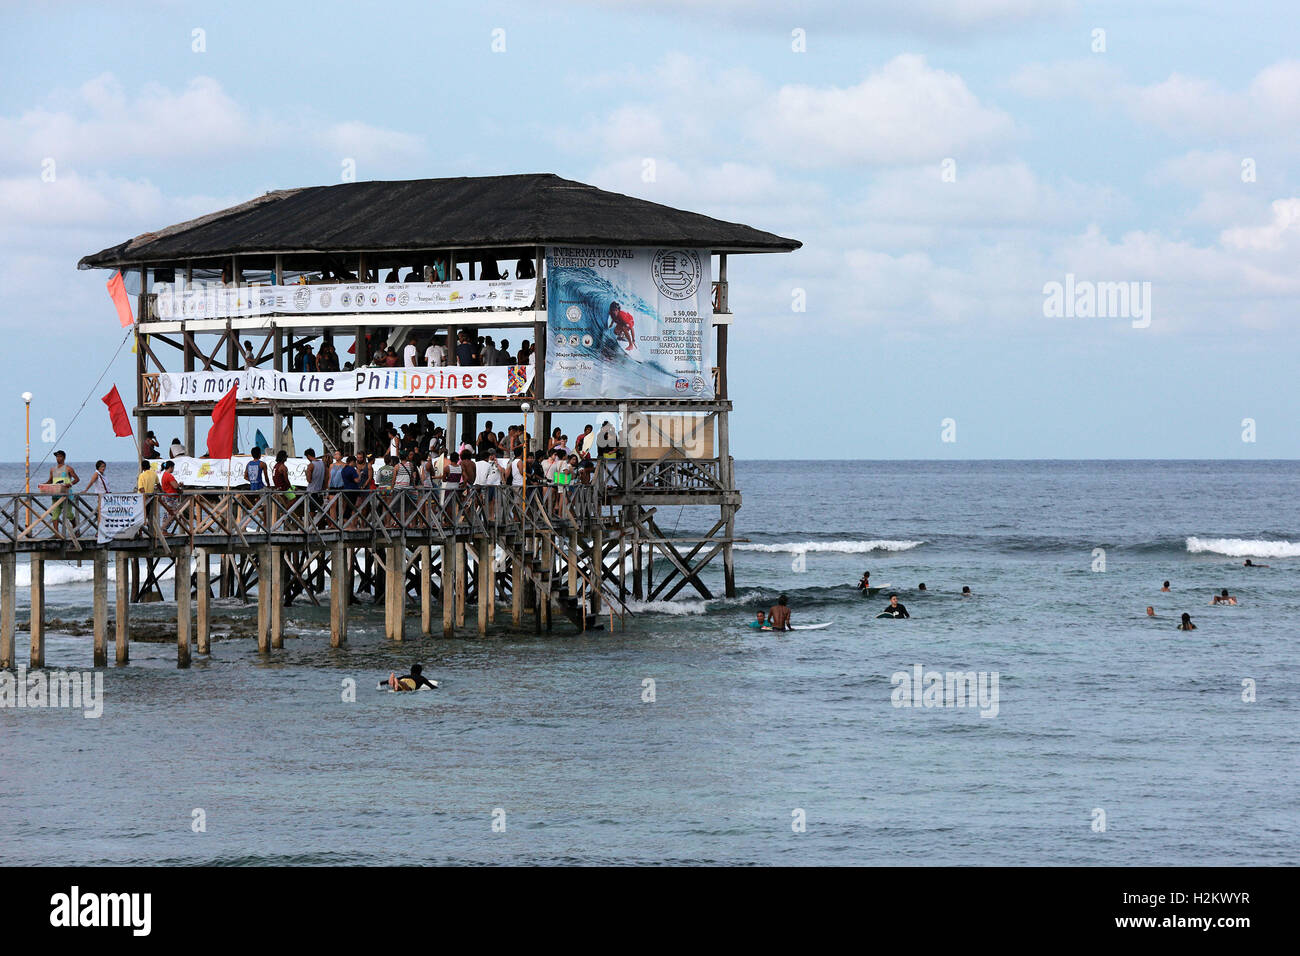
[894, 609]
[412, 681]
[760, 622]
[1251, 564]
[1166, 587]
[1186, 624]
[778, 615]
[1223, 597]
[623, 325]
[1151, 612]
[965, 591]
[865, 583]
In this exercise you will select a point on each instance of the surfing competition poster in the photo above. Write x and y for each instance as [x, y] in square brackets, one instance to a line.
[628, 323]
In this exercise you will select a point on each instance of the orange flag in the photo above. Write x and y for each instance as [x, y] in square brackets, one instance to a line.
[117, 291]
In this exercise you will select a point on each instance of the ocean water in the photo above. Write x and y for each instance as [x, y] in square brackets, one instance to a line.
[1100, 710]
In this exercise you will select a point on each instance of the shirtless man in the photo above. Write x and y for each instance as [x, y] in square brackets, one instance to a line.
[1223, 597]
[778, 615]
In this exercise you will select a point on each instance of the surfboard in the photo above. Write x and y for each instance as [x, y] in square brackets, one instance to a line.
[810, 627]
[892, 617]
[874, 590]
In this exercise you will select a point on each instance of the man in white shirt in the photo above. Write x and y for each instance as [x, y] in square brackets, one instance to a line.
[410, 354]
[435, 355]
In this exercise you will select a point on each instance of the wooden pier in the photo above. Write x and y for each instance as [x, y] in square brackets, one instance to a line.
[416, 548]
[244, 291]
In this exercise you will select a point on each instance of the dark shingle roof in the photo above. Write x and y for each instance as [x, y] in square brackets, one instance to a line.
[460, 213]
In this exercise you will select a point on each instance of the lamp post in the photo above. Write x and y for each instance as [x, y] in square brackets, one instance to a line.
[27, 463]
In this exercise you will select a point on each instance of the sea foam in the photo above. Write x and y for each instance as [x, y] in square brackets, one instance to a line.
[1244, 547]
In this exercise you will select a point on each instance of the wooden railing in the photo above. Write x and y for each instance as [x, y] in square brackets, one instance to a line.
[664, 476]
[36, 522]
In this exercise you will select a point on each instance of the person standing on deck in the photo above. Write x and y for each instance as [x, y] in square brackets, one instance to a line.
[147, 482]
[98, 484]
[63, 474]
[255, 471]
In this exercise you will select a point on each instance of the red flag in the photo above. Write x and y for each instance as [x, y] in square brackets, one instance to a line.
[117, 412]
[117, 291]
[221, 436]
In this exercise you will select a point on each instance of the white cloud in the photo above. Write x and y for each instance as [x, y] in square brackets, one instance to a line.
[1281, 233]
[905, 112]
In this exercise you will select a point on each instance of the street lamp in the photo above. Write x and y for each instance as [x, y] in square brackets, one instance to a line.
[27, 466]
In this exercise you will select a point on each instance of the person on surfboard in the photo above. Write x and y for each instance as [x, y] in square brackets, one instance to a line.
[865, 583]
[623, 325]
[894, 609]
[412, 681]
[778, 615]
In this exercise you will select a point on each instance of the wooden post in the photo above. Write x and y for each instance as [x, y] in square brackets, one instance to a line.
[484, 577]
[637, 593]
[548, 572]
[492, 580]
[461, 563]
[8, 603]
[182, 582]
[448, 577]
[122, 614]
[339, 594]
[397, 592]
[597, 569]
[36, 626]
[426, 590]
[725, 473]
[277, 598]
[100, 608]
[264, 597]
[517, 585]
[573, 564]
[203, 600]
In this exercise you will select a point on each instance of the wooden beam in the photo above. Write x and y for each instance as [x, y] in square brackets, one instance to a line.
[121, 611]
[8, 604]
[100, 608]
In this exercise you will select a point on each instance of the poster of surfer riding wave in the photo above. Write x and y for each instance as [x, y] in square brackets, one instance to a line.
[628, 323]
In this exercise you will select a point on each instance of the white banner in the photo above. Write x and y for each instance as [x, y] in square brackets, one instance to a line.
[448, 381]
[628, 323]
[211, 472]
[120, 516]
[219, 302]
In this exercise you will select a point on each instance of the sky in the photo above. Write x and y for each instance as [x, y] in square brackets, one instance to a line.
[943, 164]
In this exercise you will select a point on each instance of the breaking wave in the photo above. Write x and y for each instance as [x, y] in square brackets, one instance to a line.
[1244, 547]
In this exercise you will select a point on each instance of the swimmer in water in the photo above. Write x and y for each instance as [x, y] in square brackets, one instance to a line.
[1223, 597]
[1251, 564]
[415, 680]
[965, 591]
[1166, 587]
[1186, 624]
[921, 586]
[760, 622]
[1151, 612]
[894, 609]
[778, 616]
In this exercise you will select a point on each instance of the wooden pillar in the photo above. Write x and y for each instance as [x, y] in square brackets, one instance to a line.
[573, 564]
[397, 592]
[100, 608]
[122, 612]
[637, 593]
[448, 578]
[485, 579]
[492, 579]
[202, 618]
[182, 583]
[36, 626]
[426, 590]
[517, 585]
[461, 560]
[358, 430]
[340, 592]
[8, 603]
[264, 595]
[277, 597]
[597, 569]
[727, 476]
[548, 572]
